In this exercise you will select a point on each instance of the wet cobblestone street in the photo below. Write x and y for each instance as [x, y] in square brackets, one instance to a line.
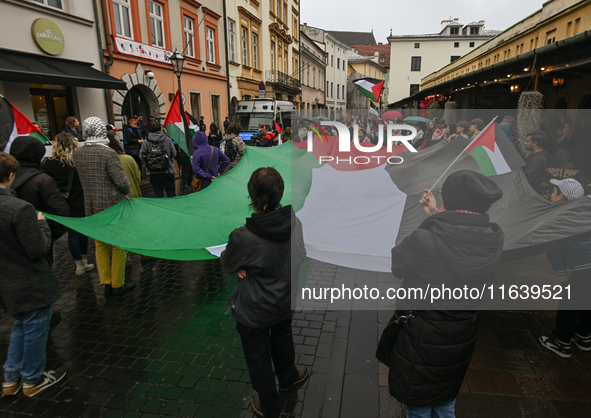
[167, 350]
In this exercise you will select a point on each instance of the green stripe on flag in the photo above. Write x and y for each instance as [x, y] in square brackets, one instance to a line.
[177, 136]
[40, 137]
[483, 160]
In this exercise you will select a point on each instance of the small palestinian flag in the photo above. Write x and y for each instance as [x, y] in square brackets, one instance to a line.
[13, 123]
[177, 128]
[280, 133]
[370, 87]
[193, 124]
[494, 152]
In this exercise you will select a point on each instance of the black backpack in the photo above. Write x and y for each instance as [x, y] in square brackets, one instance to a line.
[156, 156]
[230, 148]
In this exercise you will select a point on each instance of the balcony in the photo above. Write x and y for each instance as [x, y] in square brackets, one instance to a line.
[279, 79]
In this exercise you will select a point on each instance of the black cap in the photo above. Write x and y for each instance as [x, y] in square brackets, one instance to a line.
[140, 114]
[470, 190]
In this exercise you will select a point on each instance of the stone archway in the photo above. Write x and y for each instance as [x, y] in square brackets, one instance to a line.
[149, 88]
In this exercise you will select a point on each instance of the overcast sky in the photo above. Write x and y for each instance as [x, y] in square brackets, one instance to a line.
[412, 17]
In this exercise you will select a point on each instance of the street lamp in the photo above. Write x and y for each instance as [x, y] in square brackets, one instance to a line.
[178, 62]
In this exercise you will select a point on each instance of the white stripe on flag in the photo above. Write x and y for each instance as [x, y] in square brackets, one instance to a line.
[340, 227]
[498, 160]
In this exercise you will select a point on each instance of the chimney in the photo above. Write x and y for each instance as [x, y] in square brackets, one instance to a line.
[456, 19]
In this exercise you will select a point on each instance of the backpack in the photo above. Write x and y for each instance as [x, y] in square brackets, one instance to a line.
[156, 156]
[230, 148]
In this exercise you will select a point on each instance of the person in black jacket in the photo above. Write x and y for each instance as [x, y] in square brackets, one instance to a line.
[133, 136]
[539, 160]
[454, 246]
[60, 166]
[266, 253]
[73, 128]
[28, 288]
[34, 186]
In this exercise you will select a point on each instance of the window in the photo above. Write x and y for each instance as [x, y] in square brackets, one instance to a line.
[414, 89]
[327, 86]
[195, 107]
[272, 58]
[331, 89]
[51, 3]
[454, 57]
[122, 14]
[338, 90]
[215, 110]
[454, 31]
[295, 28]
[255, 51]
[338, 63]
[244, 46]
[188, 24]
[471, 44]
[156, 23]
[415, 64]
[232, 40]
[332, 60]
[314, 77]
[271, 5]
[474, 31]
[278, 11]
[308, 76]
[456, 44]
[285, 13]
[382, 59]
[211, 46]
[285, 67]
[343, 87]
[417, 45]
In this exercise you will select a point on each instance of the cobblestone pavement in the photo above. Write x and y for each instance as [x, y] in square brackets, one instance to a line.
[167, 349]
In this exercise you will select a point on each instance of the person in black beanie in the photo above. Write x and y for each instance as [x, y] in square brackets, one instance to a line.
[455, 246]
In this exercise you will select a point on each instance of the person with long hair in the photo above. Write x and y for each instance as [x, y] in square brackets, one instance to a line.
[266, 253]
[73, 128]
[61, 167]
[129, 166]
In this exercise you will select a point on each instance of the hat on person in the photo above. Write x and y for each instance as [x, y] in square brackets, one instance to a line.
[152, 116]
[509, 117]
[140, 114]
[132, 121]
[470, 190]
[569, 188]
[111, 128]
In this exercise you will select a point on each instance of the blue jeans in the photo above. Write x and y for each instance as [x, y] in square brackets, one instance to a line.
[439, 411]
[26, 352]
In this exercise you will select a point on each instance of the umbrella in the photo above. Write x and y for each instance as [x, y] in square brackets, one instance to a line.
[319, 118]
[416, 119]
[392, 114]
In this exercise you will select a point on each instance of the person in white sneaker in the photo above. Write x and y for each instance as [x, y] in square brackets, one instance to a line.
[573, 323]
[28, 288]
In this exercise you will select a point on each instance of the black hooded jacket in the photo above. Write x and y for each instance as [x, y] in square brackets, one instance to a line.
[33, 185]
[270, 248]
[433, 350]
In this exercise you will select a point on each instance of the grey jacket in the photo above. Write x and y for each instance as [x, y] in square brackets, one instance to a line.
[27, 282]
[103, 180]
[168, 146]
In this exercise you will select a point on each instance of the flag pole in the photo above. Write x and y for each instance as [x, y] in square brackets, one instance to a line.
[461, 153]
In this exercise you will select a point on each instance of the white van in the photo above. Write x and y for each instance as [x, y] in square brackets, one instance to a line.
[252, 112]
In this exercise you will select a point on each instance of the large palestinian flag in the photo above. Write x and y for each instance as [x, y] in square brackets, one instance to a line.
[13, 123]
[370, 87]
[352, 215]
[177, 127]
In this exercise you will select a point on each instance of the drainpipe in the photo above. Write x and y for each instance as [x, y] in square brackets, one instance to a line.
[109, 63]
[227, 58]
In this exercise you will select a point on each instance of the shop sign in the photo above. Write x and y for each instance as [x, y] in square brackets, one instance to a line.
[48, 36]
[137, 49]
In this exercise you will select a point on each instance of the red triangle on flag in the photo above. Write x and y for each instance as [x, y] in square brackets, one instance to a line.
[377, 90]
[485, 138]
